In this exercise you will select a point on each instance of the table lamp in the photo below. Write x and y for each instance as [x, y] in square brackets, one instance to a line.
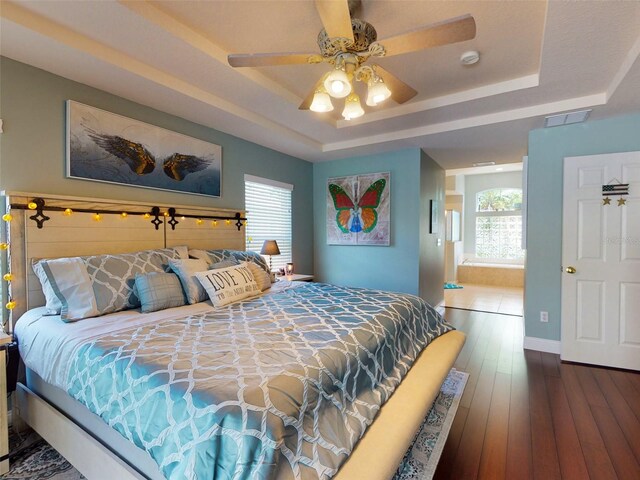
[270, 247]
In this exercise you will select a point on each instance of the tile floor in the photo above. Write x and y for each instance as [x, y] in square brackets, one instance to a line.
[486, 298]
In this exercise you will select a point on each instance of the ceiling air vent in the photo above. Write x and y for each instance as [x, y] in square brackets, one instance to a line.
[483, 164]
[566, 118]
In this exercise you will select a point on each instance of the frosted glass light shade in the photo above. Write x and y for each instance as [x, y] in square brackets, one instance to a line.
[337, 84]
[321, 102]
[352, 107]
[377, 93]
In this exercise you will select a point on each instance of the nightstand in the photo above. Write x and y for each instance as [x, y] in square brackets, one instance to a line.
[4, 421]
[296, 277]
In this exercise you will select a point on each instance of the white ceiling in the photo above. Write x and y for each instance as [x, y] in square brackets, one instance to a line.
[538, 58]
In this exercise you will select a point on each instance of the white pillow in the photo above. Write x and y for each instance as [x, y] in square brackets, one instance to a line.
[261, 277]
[230, 284]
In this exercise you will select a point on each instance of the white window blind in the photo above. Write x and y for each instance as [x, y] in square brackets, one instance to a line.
[268, 206]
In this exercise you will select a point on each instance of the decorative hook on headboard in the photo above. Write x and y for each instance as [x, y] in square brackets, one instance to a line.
[173, 222]
[155, 212]
[39, 217]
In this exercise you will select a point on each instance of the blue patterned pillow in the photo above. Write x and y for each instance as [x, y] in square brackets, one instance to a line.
[211, 256]
[113, 276]
[158, 291]
[253, 257]
[186, 270]
[215, 256]
[107, 281]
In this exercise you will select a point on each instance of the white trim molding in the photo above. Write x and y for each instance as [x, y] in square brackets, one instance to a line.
[268, 181]
[542, 345]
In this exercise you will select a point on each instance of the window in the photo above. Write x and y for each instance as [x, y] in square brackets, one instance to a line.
[268, 206]
[499, 224]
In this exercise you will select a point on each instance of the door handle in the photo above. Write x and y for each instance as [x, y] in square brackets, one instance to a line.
[570, 269]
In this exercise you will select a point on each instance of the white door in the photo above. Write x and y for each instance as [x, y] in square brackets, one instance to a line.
[601, 242]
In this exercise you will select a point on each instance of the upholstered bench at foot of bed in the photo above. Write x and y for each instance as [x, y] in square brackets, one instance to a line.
[381, 449]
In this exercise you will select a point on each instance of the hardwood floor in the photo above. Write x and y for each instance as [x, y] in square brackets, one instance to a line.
[524, 414]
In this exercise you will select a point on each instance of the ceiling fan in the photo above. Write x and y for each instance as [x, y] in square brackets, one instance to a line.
[347, 43]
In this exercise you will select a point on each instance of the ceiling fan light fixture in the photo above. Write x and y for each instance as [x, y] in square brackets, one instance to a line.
[337, 84]
[352, 107]
[377, 92]
[321, 102]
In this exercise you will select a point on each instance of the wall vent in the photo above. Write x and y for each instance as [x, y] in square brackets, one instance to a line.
[566, 118]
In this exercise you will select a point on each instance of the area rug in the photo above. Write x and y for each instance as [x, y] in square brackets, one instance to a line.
[421, 460]
[37, 460]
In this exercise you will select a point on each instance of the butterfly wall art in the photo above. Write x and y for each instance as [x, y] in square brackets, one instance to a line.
[106, 147]
[358, 210]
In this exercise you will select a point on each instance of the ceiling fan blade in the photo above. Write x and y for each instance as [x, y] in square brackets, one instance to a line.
[400, 91]
[335, 18]
[268, 59]
[449, 31]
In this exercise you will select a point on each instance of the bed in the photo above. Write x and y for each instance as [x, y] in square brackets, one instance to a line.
[279, 374]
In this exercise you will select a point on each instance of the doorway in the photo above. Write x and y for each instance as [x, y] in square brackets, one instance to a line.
[484, 264]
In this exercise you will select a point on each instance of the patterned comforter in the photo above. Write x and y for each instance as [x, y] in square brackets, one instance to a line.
[280, 386]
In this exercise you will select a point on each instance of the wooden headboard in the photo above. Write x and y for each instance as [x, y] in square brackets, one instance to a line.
[79, 232]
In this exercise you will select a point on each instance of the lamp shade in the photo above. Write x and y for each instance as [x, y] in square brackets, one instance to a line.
[337, 84]
[378, 92]
[270, 247]
[321, 102]
[352, 107]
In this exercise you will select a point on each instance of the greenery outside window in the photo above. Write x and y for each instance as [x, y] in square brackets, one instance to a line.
[499, 224]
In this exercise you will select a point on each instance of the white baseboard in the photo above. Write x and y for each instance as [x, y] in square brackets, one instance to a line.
[542, 345]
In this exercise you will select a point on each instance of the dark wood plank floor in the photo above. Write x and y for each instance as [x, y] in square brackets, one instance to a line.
[525, 414]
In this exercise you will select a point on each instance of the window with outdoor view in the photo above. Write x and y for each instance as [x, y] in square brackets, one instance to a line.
[499, 224]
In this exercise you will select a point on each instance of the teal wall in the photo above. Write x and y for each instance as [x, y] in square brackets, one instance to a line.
[398, 266]
[547, 149]
[32, 151]
[478, 183]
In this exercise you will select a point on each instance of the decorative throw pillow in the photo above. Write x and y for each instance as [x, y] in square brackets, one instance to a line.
[227, 262]
[214, 256]
[113, 276]
[69, 280]
[53, 304]
[211, 256]
[186, 271]
[261, 277]
[253, 257]
[227, 285]
[158, 290]
[110, 278]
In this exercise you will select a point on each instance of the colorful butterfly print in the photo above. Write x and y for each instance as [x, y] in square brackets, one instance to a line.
[360, 216]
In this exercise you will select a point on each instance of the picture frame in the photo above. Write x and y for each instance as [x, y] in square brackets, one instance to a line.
[433, 216]
[106, 147]
[359, 209]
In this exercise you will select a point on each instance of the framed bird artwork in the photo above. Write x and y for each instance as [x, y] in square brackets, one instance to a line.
[358, 210]
[106, 147]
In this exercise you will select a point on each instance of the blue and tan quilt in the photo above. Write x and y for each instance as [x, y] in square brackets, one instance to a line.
[281, 386]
